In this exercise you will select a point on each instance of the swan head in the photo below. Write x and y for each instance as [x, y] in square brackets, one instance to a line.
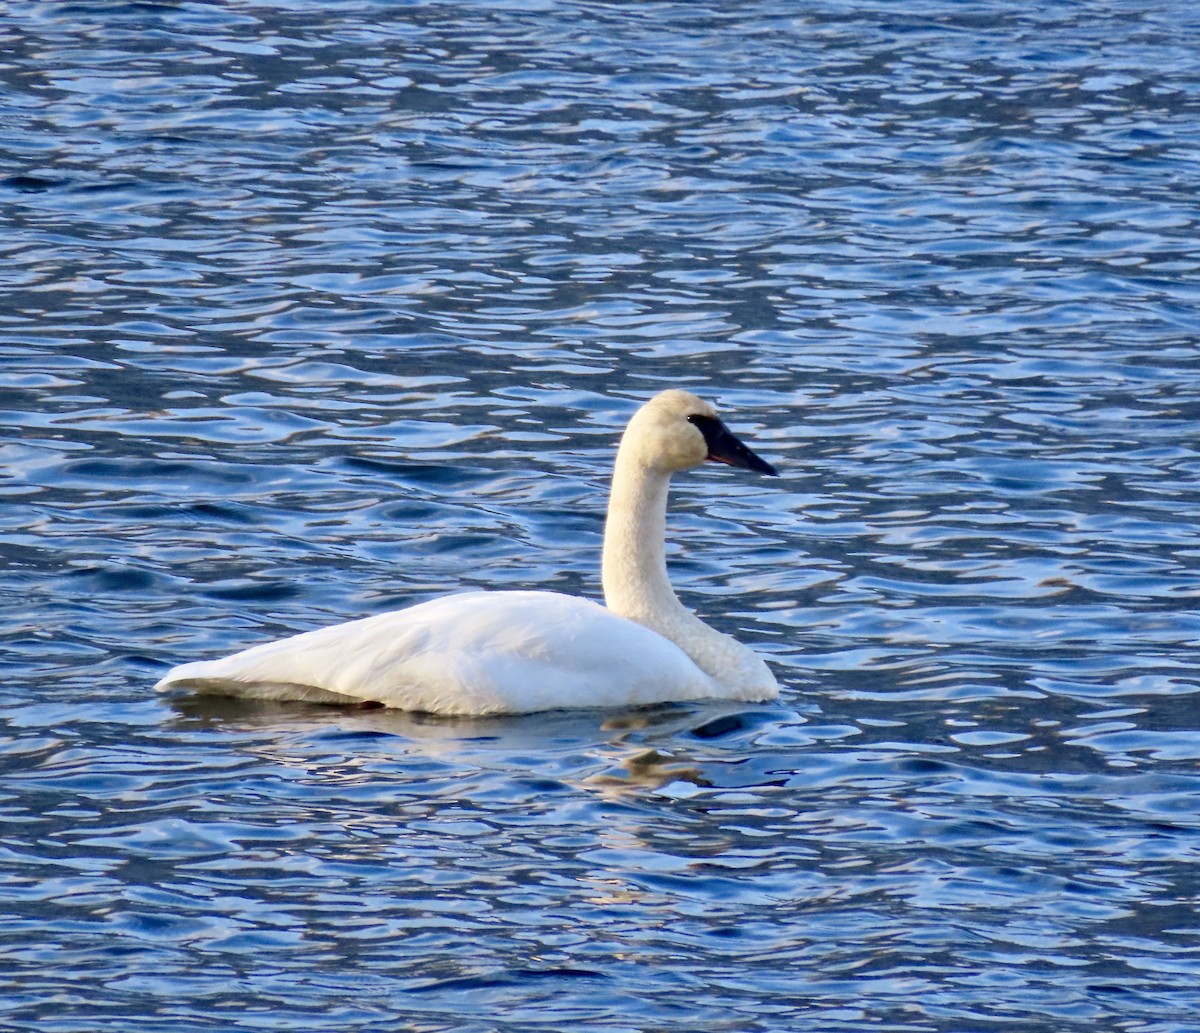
[675, 431]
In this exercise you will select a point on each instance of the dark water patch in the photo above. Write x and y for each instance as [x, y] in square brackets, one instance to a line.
[28, 182]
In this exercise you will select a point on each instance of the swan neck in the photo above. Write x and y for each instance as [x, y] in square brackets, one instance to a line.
[636, 586]
[634, 565]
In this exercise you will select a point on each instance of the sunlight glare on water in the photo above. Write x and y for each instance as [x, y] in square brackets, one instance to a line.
[314, 311]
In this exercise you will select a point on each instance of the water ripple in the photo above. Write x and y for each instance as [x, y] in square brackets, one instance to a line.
[314, 312]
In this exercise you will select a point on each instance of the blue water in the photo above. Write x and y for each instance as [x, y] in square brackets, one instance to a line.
[312, 310]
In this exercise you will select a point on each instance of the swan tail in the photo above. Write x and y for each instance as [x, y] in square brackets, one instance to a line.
[193, 678]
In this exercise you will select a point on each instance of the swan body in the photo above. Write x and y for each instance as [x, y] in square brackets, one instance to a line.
[475, 653]
[518, 652]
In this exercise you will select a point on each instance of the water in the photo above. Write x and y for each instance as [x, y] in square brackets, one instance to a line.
[315, 310]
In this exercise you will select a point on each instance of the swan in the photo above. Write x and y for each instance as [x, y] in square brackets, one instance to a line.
[519, 652]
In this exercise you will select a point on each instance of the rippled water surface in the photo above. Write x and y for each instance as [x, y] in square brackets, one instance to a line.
[312, 310]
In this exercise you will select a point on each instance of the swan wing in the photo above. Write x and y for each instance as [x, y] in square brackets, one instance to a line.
[470, 654]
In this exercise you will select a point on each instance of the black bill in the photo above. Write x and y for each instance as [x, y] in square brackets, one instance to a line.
[725, 447]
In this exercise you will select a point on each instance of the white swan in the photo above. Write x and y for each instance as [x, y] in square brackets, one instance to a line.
[519, 652]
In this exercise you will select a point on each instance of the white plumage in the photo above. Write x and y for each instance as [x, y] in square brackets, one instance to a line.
[476, 653]
[519, 652]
